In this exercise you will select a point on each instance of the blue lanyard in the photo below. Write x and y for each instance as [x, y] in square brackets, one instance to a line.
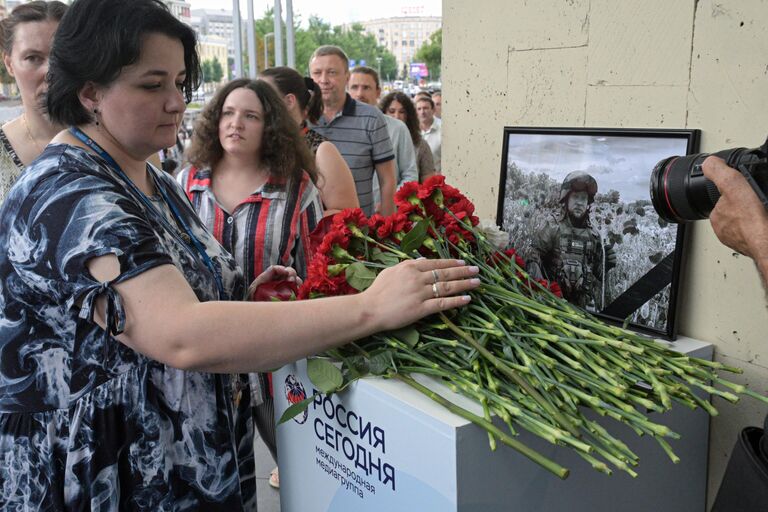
[198, 246]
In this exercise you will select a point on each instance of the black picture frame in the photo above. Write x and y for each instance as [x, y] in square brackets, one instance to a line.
[643, 286]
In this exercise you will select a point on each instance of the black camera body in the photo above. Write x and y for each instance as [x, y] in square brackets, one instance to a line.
[681, 193]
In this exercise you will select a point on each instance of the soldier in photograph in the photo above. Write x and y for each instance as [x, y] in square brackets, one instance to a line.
[570, 250]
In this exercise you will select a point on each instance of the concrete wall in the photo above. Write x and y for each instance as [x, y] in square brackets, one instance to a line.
[608, 63]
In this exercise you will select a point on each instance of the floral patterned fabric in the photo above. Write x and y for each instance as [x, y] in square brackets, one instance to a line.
[86, 423]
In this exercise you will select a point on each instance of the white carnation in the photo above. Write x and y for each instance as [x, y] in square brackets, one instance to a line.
[497, 237]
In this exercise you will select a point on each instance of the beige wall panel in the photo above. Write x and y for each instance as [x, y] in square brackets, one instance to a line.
[636, 106]
[519, 24]
[729, 75]
[626, 40]
[537, 87]
[722, 300]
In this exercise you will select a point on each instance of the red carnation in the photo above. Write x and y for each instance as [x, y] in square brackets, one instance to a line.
[351, 217]
[511, 254]
[316, 237]
[333, 237]
[434, 182]
[407, 193]
[279, 290]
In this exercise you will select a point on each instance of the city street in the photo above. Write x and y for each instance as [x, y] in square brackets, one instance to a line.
[9, 109]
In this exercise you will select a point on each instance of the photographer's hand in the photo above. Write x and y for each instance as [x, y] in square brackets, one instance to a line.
[739, 219]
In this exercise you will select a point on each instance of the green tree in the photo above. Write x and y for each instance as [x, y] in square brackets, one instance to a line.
[207, 69]
[355, 42]
[5, 77]
[431, 53]
[217, 72]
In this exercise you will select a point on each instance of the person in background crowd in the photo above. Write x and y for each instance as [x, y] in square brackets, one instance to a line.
[304, 102]
[431, 128]
[107, 401]
[25, 40]
[421, 94]
[358, 130]
[251, 183]
[397, 104]
[437, 98]
[364, 87]
[171, 158]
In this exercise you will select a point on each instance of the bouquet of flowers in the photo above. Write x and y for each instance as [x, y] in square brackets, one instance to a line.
[522, 352]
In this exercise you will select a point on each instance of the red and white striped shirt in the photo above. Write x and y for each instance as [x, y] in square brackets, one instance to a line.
[270, 227]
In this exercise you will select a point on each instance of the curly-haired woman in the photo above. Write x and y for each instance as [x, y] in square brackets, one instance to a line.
[397, 104]
[252, 184]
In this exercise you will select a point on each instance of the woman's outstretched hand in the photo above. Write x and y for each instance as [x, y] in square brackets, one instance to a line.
[414, 289]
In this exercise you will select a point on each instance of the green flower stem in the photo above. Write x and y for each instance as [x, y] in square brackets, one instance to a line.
[515, 377]
[396, 252]
[601, 437]
[704, 404]
[757, 396]
[596, 464]
[660, 389]
[484, 404]
[668, 449]
[533, 455]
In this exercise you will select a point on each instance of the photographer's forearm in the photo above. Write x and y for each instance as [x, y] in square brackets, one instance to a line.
[762, 267]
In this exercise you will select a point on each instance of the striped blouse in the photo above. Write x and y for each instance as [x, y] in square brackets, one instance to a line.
[270, 227]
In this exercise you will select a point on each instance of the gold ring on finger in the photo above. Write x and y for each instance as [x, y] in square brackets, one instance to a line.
[435, 291]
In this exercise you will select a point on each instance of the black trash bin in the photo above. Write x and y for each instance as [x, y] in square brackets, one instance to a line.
[745, 483]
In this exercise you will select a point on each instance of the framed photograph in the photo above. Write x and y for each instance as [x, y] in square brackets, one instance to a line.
[576, 203]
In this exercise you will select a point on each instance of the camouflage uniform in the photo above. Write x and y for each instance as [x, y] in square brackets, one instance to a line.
[573, 255]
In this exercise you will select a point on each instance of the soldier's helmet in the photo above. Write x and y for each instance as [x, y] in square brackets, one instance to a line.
[578, 181]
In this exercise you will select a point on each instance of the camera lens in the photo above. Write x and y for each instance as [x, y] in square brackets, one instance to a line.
[679, 190]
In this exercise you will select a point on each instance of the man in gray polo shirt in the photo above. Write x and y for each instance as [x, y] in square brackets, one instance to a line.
[364, 87]
[359, 131]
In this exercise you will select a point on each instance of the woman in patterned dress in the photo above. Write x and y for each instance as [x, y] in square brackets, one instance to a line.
[25, 40]
[118, 324]
[337, 185]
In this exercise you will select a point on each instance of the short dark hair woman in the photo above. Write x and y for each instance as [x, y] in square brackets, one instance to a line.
[25, 41]
[120, 319]
[397, 104]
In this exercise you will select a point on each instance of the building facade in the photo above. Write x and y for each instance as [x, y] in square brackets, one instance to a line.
[217, 23]
[403, 35]
[181, 9]
[214, 48]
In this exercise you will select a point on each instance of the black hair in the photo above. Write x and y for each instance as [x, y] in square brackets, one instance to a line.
[96, 39]
[26, 13]
[424, 97]
[289, 81]
[411, 119]
[283, 148]
[365, 70]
